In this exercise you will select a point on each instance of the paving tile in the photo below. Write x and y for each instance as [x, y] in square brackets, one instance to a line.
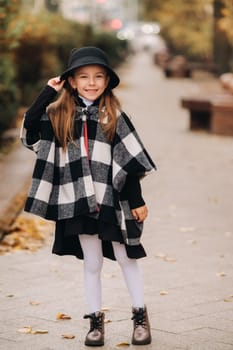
[211, 346]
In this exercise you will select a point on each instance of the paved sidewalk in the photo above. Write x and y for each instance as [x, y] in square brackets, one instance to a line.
[188, 237]
[15, 170]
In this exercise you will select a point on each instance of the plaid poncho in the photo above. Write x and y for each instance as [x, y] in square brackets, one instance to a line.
[70, 183]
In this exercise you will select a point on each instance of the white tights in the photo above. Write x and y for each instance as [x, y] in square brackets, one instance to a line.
[93, 262]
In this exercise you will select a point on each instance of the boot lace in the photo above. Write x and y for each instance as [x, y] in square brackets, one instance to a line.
[139, 318]
[95, 321]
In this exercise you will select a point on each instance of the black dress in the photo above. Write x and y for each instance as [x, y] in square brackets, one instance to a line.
[67, 231]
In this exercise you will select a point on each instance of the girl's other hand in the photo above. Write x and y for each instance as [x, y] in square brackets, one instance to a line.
[56, 83]
[140, 213]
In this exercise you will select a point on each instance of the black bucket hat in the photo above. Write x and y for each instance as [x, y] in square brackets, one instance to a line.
[86, 56]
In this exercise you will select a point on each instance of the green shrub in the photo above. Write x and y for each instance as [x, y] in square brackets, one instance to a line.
[8, 93]
[8, 86]
[44, 45]
[37, 47]
[8, 106]
[41, 52]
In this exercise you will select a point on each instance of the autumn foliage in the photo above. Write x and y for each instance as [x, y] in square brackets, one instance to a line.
[35, 48]
[191, 28]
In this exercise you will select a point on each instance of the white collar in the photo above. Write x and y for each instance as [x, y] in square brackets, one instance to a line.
[86, 101]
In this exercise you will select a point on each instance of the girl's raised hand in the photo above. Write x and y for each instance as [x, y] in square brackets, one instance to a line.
[56, 83]
[140, 213]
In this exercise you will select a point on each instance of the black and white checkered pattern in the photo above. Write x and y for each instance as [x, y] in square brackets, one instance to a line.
[67, 184]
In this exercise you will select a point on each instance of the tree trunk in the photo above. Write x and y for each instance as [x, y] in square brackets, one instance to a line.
[221, 46]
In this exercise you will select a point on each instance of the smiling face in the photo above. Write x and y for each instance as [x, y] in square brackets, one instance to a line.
[90, 81]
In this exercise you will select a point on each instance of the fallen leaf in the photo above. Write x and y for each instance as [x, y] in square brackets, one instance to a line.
[213, 199]
[164, 257]
[29, 330]
[34, 303]
[39, 331]
[228, 299]
[163, 292]
[61, 316]
[107, 320]
[160, 255]
[25, 330]
[221, 274]
[105, 309]
[68, 336]
[123, 345]
[192, 241]
[26, 233]
[169, 259]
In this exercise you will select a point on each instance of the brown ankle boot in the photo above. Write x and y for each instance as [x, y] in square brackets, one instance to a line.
[95, 336]
[141, 332]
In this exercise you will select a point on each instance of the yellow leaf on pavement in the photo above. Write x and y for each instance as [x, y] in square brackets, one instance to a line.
[169, 259]
[228, 299]
[123, 345]
[160, 255]
[105, 308]
[26, 233]
[163, 292]
[29, 330]
[61, 316]
[25, 330]
[164, 257]
[221, 274]
[68, 336]
[34, 303]
[192, 241]
[39, 331]
[107, 320]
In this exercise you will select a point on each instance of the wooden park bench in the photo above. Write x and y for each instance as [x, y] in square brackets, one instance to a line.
[212, 112]
[177, 67]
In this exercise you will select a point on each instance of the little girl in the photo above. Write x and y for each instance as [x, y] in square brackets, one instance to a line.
[87, 175]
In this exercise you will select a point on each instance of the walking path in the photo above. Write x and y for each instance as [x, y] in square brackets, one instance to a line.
[188, 237]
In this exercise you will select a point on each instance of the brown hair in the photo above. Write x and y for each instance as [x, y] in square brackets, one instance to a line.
[62, 113]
